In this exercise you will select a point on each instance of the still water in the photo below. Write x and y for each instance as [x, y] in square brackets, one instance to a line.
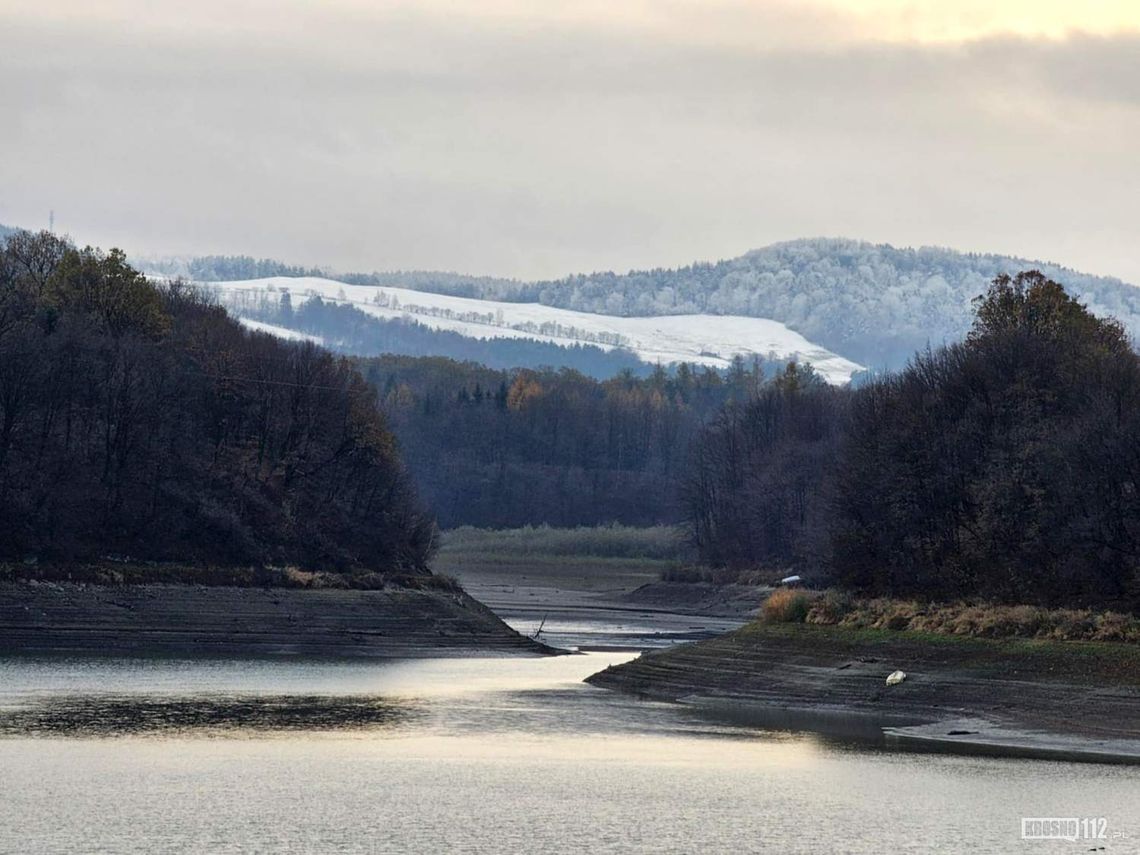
[478, 755]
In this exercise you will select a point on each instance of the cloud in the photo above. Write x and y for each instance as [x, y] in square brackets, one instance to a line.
[500, 142]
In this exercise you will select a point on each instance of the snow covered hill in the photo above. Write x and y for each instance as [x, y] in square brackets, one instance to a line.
[873, 304]
[279, 331]
[696, 338]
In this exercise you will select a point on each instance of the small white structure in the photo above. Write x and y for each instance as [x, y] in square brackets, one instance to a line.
[791, 581]
[895, 677]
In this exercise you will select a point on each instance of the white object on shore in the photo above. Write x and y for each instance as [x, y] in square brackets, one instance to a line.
[896, 677]
[790, 580]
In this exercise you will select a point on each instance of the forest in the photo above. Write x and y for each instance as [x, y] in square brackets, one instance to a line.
[141, 422]
[504, 448]
[874, 303]
[1004, 467]
[213, 268]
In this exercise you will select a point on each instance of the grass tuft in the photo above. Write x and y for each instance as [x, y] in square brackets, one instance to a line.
[659, 542]
[972, 620]
[786, 605]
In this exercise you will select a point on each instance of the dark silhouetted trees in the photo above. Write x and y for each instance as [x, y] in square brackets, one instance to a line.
[1006, 466]
[758, 487]
[1003, 467]
[144, 422]
[516, 447]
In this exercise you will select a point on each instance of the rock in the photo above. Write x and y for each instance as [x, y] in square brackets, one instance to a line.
[896, 677]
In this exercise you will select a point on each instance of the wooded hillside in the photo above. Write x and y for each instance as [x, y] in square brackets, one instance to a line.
[511, 448]
[142, 422]
[1006, 466]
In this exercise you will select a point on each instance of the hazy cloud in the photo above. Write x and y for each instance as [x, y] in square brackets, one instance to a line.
[493, 140]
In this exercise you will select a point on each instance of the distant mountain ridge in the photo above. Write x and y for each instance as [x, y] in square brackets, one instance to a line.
[875, 304]
[369, 320]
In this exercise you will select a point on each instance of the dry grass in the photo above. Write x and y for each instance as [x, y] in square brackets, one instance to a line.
[974, 620]
[786, 605]
[662, 543]
[128, 573]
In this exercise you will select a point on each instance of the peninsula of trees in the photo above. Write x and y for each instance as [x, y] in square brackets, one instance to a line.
[141, 422]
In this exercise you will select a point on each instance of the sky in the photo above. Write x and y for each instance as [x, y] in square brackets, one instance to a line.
[535, 139]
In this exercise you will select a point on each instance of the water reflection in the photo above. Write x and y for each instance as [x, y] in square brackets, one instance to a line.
[129, 715]
[474, 755]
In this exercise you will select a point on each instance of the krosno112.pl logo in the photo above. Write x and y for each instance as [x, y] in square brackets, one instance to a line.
[1070, 828]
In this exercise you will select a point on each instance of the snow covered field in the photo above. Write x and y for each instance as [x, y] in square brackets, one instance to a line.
[702, 339]
[280, 332]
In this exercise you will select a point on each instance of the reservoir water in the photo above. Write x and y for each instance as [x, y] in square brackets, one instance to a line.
[479, 755]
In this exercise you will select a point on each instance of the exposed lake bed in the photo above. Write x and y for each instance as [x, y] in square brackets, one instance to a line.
[220, 620]
[1021, 698]
[497, 751]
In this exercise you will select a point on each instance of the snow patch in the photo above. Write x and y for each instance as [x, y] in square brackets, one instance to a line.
[702, 339]
[280, 332]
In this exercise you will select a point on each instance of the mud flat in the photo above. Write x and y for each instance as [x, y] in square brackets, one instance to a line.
[701, 598]
[194, 620]
[594, 606]
[1071, 700]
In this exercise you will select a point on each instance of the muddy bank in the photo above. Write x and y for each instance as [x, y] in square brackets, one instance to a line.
[192, 620]
[700, 598]
[588, 606]
[1075, 700]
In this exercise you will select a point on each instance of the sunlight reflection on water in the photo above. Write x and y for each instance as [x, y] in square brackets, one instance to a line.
[472, 755]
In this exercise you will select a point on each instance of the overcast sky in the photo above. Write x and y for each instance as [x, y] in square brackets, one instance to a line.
[534, 139]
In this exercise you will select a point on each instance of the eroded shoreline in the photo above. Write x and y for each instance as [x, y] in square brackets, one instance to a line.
[1071, 701]
[1066, 701]
[195, 620]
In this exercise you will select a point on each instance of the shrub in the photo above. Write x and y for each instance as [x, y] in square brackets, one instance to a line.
[1113, 626]
[981, 620]
[786, 605]
[1072, 624]
[830, 608]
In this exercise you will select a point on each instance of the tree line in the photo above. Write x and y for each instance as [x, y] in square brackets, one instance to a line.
[141, 421]
[223, 268]
[1006, 466]
[523, 446]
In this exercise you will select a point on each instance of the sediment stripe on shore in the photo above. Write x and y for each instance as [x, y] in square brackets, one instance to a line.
[199, 620]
